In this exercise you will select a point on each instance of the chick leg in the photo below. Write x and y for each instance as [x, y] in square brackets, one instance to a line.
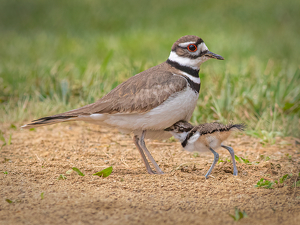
[235, 171]
[216, 158]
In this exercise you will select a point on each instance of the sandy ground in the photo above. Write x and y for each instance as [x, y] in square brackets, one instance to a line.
[35, 159]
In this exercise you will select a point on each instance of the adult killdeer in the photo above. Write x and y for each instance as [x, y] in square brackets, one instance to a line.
[150, 101]
[205, 137]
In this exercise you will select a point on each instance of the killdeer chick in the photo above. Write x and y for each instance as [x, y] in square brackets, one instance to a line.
[205, 137]
[150, 101]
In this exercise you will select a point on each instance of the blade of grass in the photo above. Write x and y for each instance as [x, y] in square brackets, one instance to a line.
[104, 173]
[78, 171]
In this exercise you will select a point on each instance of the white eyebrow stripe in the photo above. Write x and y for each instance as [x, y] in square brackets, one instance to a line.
[203, 47]
[185, 44]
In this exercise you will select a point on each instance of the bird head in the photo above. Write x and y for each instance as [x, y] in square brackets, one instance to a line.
[191, 51]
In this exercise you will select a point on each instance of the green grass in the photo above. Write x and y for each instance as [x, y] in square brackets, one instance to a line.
[61, 177]
[238, 215]
[269, 184]
[59, 55]
[264, 183]
[105, 172]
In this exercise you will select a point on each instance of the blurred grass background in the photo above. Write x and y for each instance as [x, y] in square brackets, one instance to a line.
[58, 55]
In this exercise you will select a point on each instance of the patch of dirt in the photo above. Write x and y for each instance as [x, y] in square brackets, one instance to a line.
[35, 159]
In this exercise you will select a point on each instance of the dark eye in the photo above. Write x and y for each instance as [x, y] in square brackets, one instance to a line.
[192, 48]
[181, 129]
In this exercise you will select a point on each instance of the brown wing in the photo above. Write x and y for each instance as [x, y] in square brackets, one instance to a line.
[138, 94]
[209, 128]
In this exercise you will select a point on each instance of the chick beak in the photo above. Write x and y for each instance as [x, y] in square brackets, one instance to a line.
[169, 129]
[213, 55]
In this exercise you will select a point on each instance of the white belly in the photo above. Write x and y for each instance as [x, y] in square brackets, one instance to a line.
[194, 145]
[179, 106]
[202, 143]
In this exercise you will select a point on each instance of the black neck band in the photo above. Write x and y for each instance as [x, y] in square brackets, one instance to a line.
[184, 143]
[193, 85]
[188, 70]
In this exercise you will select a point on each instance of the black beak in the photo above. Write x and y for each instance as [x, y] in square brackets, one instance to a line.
[213, 55]
[168, 129]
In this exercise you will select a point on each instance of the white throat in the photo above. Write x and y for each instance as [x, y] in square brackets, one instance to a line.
[184, 61]
[179, 136]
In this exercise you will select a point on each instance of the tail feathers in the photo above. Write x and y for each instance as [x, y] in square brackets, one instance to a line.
[48, 121]
[240, 126]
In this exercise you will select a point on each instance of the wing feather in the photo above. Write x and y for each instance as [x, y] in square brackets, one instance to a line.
[139, 94]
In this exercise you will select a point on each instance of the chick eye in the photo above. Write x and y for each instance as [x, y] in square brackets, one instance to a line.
[192, 48]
